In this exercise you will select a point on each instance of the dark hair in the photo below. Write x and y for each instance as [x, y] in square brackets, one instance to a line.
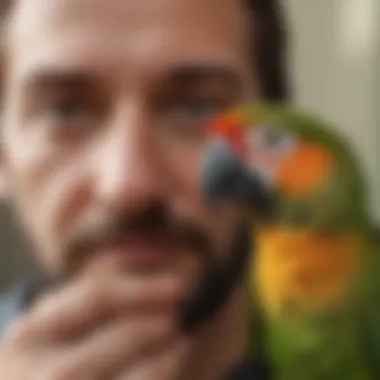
[269, 48]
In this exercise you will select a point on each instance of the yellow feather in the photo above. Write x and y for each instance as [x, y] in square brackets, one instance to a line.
[301, 270]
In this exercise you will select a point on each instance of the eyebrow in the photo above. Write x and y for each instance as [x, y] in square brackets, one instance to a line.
[183, 75]
[50, 78]
[191, 74]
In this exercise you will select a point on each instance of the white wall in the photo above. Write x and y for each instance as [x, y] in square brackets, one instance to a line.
[336, 68]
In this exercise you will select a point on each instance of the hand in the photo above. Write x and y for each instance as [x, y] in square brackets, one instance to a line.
[98, 328]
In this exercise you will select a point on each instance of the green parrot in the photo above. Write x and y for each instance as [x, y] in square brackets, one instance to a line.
[314, 278]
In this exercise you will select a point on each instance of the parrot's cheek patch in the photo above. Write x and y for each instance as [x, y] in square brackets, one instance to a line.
[305, 170]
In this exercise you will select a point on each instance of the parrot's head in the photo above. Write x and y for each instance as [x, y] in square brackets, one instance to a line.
[302, 171]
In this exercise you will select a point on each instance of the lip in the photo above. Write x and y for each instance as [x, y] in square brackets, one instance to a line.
[138, 253]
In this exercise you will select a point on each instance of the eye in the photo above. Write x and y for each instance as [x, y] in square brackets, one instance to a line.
[199, 108]
[273, 138]
[71, 117]
[190, 117]
[68, 111]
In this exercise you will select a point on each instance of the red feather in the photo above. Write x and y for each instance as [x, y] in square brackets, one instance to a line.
[231, 128]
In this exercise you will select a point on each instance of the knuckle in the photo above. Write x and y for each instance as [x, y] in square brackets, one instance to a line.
[42, 304]
[157, 370]
[150, 372]
[145, 332]
[134, 335]
[94, 295]
[62, 371]
[19, 333]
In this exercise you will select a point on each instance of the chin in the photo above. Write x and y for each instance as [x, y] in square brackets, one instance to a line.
[186, 265]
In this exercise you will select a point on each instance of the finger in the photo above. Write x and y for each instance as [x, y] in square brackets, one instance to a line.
[167, 365]
[121, 344]
[76, 309]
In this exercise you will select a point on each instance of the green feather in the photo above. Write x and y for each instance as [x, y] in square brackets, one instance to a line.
[341, 343]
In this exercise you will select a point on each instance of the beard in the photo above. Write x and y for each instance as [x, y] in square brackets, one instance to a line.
[213, 285]
[211, 292]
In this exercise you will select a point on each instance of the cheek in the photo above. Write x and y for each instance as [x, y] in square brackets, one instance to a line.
[186, 198]
[183, 161]
[49, 190]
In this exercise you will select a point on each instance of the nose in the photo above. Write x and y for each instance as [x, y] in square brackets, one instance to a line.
[128, 165]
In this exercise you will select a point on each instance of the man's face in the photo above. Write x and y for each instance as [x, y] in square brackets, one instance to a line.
[105, 108]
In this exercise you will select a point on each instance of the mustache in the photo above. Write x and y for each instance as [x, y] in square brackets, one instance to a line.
[206, 295]
[155, 222]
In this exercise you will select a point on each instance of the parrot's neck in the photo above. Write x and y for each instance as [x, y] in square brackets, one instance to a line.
[303, 269]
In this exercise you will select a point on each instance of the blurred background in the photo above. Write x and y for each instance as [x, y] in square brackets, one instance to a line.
[335, 61]
[336, 70]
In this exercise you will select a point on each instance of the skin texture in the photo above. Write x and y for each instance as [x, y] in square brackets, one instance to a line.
[104, 108]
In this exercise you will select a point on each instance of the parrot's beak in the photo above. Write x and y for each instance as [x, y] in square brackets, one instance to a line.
[226, 178]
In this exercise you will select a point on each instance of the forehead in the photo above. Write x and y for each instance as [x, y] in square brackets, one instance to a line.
[143, 34]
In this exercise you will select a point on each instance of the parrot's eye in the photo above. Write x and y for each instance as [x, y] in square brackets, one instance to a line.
[270, 137]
